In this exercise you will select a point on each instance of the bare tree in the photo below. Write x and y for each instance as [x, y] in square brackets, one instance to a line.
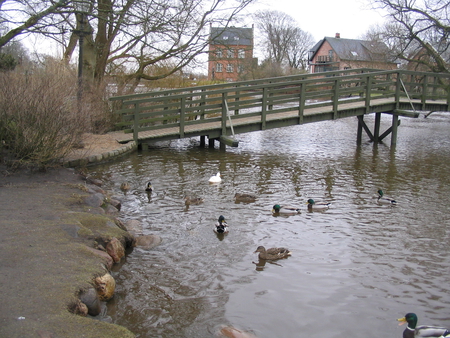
[19, 17]
[419, 31]
[284, 42]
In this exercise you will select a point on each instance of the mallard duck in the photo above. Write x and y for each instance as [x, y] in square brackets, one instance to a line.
[285, 210]
[215, 178]
[412, 330]
[244, 197]
[148, 187]
[312, 205]
[125, 186]
[221, 226]
[188, 200]
[272, 253]
[384, 199]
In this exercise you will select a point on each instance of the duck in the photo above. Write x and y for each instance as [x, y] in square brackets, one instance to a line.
[285, 210]
[221, 226]
[384, 199]
[125, 186]
[272, 253]
[313, 205]
[148, 187]
[188, 200]
[215, 178]
[412, 330]
[239, 197]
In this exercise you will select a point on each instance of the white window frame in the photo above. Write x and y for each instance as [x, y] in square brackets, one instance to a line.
[230, 68]
[241, 53]
[219, 68]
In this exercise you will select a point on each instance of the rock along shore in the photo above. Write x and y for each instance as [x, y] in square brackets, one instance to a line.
[59, 236]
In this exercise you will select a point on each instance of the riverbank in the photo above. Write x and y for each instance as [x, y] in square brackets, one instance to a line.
[53, 229]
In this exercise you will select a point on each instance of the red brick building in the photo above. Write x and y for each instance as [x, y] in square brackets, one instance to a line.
[230, 53]
[335, 53]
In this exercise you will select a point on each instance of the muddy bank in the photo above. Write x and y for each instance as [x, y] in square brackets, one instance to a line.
[51, 227]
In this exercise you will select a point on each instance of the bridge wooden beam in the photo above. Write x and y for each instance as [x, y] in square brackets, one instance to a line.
[364, 126]
[229, 141]
[395, 123]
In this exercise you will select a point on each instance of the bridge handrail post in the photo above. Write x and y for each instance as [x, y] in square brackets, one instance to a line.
[264, 109]
[398, 87]
[302, 102]
[182, 114]
[336, 98]
[202, 104]
[224, 114]
[136, 123]
[237, 98]
[368, 91]
[424, 91]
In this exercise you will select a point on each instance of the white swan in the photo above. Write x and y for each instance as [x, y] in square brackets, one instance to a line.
[215, 178]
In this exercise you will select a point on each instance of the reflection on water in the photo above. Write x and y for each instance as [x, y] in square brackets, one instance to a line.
[354, 268]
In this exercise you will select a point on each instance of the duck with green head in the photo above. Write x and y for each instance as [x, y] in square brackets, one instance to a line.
[384, 199]
[285, 210]
[412, 330]
[221, 226]
[313, 205]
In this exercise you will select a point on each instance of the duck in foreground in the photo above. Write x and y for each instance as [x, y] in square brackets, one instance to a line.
[215, 178]
[239, 197]
[313, 205]
[384, 199]
[125, 186]
[148, 187]
[412, 330]
[188, 200]
[285, 210]
[221, 226]
[272, 253]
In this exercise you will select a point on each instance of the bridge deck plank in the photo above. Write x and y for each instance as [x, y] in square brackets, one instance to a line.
[209, 126]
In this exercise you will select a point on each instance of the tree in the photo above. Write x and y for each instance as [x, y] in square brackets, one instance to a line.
[24, 16]
[284, 42]
[139, 35]
[419, 28]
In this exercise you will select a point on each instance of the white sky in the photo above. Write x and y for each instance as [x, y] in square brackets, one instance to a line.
[350, 18]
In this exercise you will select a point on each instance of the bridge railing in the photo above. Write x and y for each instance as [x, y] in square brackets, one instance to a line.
[180, 108]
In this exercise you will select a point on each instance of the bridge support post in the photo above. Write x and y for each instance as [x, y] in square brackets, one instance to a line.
[395, 123]
[360, 129]
[211, 143]
[202, 141]
[376, 130]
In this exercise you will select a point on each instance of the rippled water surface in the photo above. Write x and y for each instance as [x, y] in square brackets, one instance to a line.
[354, 269]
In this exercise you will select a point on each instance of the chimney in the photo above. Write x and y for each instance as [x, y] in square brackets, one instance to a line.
[338, 35]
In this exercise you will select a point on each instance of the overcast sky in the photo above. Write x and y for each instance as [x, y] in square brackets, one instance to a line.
[350, 18]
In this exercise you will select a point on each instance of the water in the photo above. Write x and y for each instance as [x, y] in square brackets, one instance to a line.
[354, 269]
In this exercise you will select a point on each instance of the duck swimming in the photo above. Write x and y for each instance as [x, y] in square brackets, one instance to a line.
[285, 210]
[148, 187]
[188, 200]
[412, 330]
[384, 199]
[215, 178]
[272, 253]
[125, 186]
[221, 226]
[312, 205]
[244, 197]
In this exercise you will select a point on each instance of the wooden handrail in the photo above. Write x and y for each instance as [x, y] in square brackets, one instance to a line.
[188, 106]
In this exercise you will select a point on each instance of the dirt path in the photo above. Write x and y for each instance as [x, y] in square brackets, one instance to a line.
[43, 261]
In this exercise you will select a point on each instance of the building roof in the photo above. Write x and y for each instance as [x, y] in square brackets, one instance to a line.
[356, 50]
[231, 36]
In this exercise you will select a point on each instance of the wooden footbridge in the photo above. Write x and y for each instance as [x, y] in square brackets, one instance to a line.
[221, 111]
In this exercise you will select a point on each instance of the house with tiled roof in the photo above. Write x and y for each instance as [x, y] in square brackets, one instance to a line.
[331, 54]
[230, 53]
